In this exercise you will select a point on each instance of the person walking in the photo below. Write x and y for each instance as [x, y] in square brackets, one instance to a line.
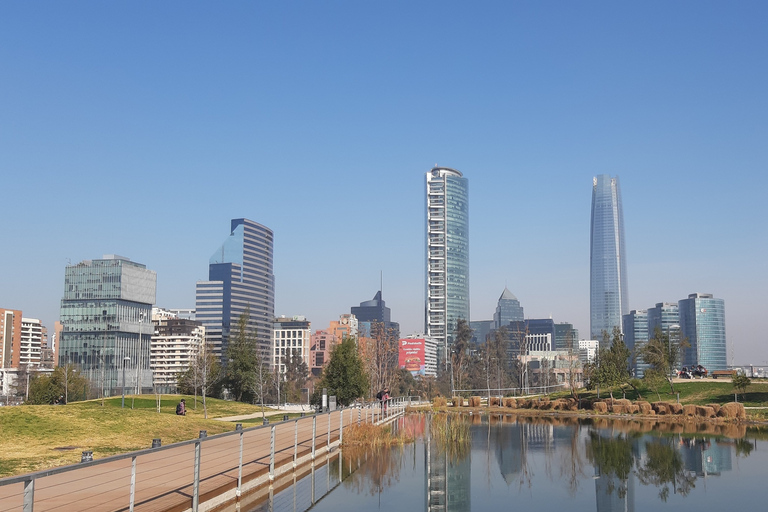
[384, 399]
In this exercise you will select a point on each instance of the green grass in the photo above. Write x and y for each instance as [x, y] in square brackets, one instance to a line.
[36, 437]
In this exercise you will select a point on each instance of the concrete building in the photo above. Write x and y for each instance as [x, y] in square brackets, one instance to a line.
[106, 322]
[240, 279]
[31, 342]
[323, 340]
[291, 335]
[10, 337]
[176, 345]
[447, 250]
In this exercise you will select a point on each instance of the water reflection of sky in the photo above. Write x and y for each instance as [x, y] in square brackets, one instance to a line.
[517, 464]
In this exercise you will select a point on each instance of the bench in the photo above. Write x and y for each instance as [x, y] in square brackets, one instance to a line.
[722, 373]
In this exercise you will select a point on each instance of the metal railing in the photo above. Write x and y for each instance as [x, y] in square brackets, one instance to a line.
[188, 473]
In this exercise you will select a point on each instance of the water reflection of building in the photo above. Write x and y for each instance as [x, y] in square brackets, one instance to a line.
[510, 451]
[448, 479]
[613, 494]
[705, 457]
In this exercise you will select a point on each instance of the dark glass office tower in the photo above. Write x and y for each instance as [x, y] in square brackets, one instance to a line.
[508, 310]
[608, 300]
[240, 277]
[447, 258]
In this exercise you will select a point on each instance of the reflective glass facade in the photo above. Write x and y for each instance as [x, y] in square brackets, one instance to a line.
[240, 277]
[702, 321]
[508, 310]
[608, 300]
[635, 326]
[447, 254]
[106, 316]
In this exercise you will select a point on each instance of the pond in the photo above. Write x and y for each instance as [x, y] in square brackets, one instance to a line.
[509, 462]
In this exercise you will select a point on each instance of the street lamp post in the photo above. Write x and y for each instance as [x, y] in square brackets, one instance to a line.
[126, 360]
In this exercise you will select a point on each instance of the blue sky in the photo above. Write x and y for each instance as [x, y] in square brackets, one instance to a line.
[142, 128]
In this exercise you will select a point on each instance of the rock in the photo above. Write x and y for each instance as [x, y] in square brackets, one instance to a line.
[618, 408]
[661, 408]
[704, 411]
[716, 407]
[510, 402]
[475, 401]
[494, 401]
[600, 407]
[457, 401]
[675, 408]
[689, 410]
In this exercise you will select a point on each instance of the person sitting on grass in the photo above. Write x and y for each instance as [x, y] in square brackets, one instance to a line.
[181, 408]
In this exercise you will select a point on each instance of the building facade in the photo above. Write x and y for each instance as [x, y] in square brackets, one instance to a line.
[702, 322]
[608, 299]
[240, 279]
[375, 311]
[10, 337]
[31, 346]
[323, 340]
[176, 345]
[635, 327]
[508, 309]
[105, 318]
[447, 255]
[566, 337]
[292, 336]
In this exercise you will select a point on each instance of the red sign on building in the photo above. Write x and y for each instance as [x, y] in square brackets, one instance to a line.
[411, 355]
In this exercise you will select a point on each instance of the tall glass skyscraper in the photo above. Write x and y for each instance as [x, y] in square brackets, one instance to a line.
[240, 277]
[508, 309]
[447, 254]
[106, 317]
[608, 300]
[702, 322]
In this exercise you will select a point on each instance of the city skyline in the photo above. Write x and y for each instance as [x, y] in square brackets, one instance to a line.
[323, 133]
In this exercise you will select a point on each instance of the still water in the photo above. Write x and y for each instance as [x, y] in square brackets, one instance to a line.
[517, 463]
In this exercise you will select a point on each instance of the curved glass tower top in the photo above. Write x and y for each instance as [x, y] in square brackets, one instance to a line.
[608, 263]
[447, 293]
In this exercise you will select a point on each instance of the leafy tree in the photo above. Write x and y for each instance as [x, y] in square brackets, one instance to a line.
[243, 361]
[612, 457]
[741, 382]
[56, 387]
[296, 371]
[661, 355]
[611, 367]
[344, 375]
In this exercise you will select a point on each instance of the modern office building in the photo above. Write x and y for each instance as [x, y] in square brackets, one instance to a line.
[665, 317]
[566, 337]
[608, 300]
[508, 310]
[292, 336]
[375, 311]
[106, 322]
[10, 337]
[447, 255]
[702, 323]
[635, 328]
[176, 345]
[240, 279]
[480, 330]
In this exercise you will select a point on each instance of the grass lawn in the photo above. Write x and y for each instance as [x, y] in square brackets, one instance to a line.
[36, 437]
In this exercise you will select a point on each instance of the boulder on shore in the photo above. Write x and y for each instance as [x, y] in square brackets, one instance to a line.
[600, 407]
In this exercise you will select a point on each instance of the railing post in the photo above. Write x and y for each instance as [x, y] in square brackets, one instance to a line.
[29, 495]
[239, 427]
[133, 483]
[295, 441]
[359, 414]
[328, 441]
[314, 436]
[272, 455]
[341, 427]
[196, 482]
